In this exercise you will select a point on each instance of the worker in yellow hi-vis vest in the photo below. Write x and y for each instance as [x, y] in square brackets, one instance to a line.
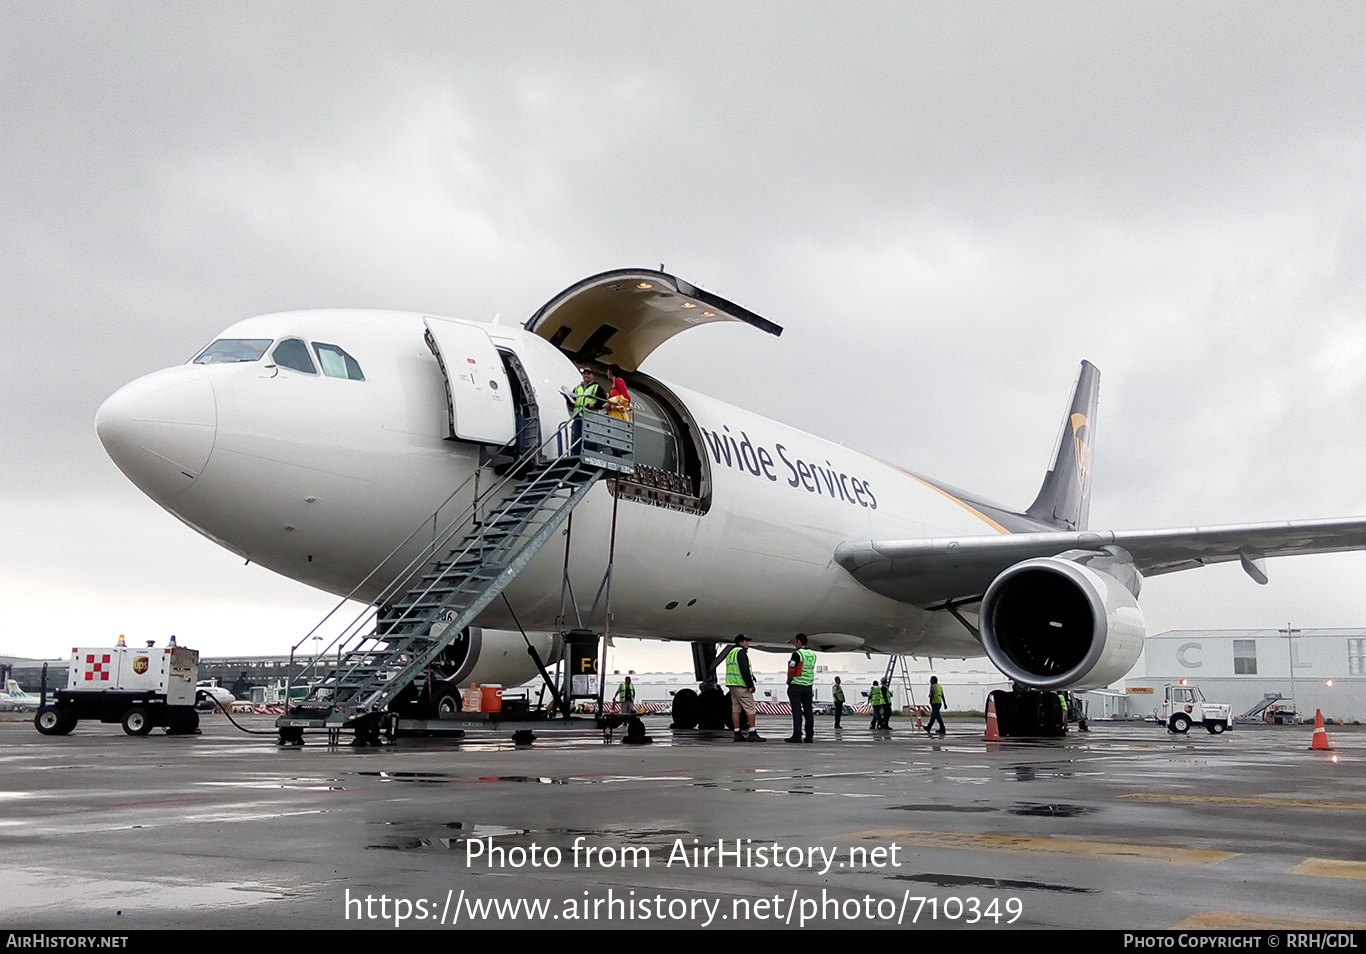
[626, 697]
[936, 704]
[801, 675]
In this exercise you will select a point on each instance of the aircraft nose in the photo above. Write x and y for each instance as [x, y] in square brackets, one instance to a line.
[160, 429]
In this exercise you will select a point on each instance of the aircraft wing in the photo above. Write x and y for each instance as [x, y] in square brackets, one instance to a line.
[939, 570]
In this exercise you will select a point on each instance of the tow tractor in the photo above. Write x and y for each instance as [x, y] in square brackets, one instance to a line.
[140, 688]
[1184, 705]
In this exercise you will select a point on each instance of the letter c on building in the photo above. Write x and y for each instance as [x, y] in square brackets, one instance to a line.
[1181, 655]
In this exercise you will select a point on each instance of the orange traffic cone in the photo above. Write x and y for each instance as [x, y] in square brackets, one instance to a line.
[1320, 742]
[993, 733]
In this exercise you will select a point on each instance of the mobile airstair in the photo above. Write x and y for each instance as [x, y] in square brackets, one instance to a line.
[392, 642]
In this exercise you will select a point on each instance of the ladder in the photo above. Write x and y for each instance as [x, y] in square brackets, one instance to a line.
[453, 590]
[899, 669]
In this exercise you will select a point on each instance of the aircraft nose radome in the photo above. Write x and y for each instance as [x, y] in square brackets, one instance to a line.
[160, 429]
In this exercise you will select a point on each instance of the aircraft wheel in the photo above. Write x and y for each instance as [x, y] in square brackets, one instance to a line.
[447, 704]
[1180, 724]
[1216, 728]
[713, 710]
[49, 720]
[136, 721]
[685, 709]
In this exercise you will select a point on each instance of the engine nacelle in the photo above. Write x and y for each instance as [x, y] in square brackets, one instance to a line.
[1050, 623]
[495, 656]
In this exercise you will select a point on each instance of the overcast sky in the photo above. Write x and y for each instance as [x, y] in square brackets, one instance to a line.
[947, 206]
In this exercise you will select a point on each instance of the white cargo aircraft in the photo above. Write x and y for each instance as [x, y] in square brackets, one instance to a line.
[314, 442]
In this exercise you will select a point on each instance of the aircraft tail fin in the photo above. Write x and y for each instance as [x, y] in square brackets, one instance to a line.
[1064, 500]
[12, 688]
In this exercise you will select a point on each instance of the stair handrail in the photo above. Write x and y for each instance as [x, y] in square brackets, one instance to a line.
[440, 539]
[410, 613]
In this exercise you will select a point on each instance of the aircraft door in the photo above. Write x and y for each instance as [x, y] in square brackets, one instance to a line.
[479, 401]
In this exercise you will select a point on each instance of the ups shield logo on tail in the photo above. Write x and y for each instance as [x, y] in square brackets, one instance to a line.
[1081, 449]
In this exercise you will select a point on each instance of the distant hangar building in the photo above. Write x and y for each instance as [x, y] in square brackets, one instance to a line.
[1317, 668]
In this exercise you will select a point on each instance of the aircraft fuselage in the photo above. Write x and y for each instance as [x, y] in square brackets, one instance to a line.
[319, 477]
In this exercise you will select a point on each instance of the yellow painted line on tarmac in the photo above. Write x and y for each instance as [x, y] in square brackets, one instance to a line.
[1330, 868]
[1054, 846]
[1242, 921]
[1244, 800]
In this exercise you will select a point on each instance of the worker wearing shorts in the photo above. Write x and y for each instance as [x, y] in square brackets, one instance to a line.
[740, 683]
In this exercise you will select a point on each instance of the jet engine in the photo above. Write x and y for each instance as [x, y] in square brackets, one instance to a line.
[481, 656]
[495, 656]
[1053, 623]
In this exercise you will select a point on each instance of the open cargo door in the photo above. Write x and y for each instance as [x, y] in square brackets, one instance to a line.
[478, 398]
[619, 317]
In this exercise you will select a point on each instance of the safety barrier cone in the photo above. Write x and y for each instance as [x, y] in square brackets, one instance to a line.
[993, 733]
[1320, 742]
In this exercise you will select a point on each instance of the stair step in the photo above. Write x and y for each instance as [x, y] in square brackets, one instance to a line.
[402, 640]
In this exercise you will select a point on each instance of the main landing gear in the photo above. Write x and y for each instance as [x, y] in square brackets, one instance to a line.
[1033, 712]
[709, 708]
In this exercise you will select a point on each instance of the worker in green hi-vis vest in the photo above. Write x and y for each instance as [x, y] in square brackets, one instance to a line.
[626, 697]
[740, 683]
[801, 676]
[936, 704]
[875, 698]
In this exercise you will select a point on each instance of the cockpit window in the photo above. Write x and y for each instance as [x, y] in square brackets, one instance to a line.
[233, 351]
[293, 354]
[336, 363]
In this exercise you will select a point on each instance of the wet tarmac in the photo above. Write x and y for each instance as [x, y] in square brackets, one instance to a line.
[1126, 827]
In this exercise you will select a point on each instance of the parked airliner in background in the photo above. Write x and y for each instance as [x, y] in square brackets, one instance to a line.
[208, 694]
[16, 698]
[313, 442]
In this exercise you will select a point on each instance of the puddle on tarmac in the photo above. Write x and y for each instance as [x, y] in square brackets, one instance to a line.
[1032, 773]
[962, 881]
[528, 779]
[400, 844]
[1050, 810]
[410, 776]
[511, 836]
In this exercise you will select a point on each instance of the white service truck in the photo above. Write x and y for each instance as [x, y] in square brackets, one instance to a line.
[1184, 705]
[140, 688]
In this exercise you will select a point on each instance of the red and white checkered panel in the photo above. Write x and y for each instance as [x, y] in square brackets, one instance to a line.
[93, 669]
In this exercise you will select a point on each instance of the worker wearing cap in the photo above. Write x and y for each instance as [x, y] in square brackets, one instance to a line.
[740, 683]
[587, 396]
[801, 674]
[838, 696]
